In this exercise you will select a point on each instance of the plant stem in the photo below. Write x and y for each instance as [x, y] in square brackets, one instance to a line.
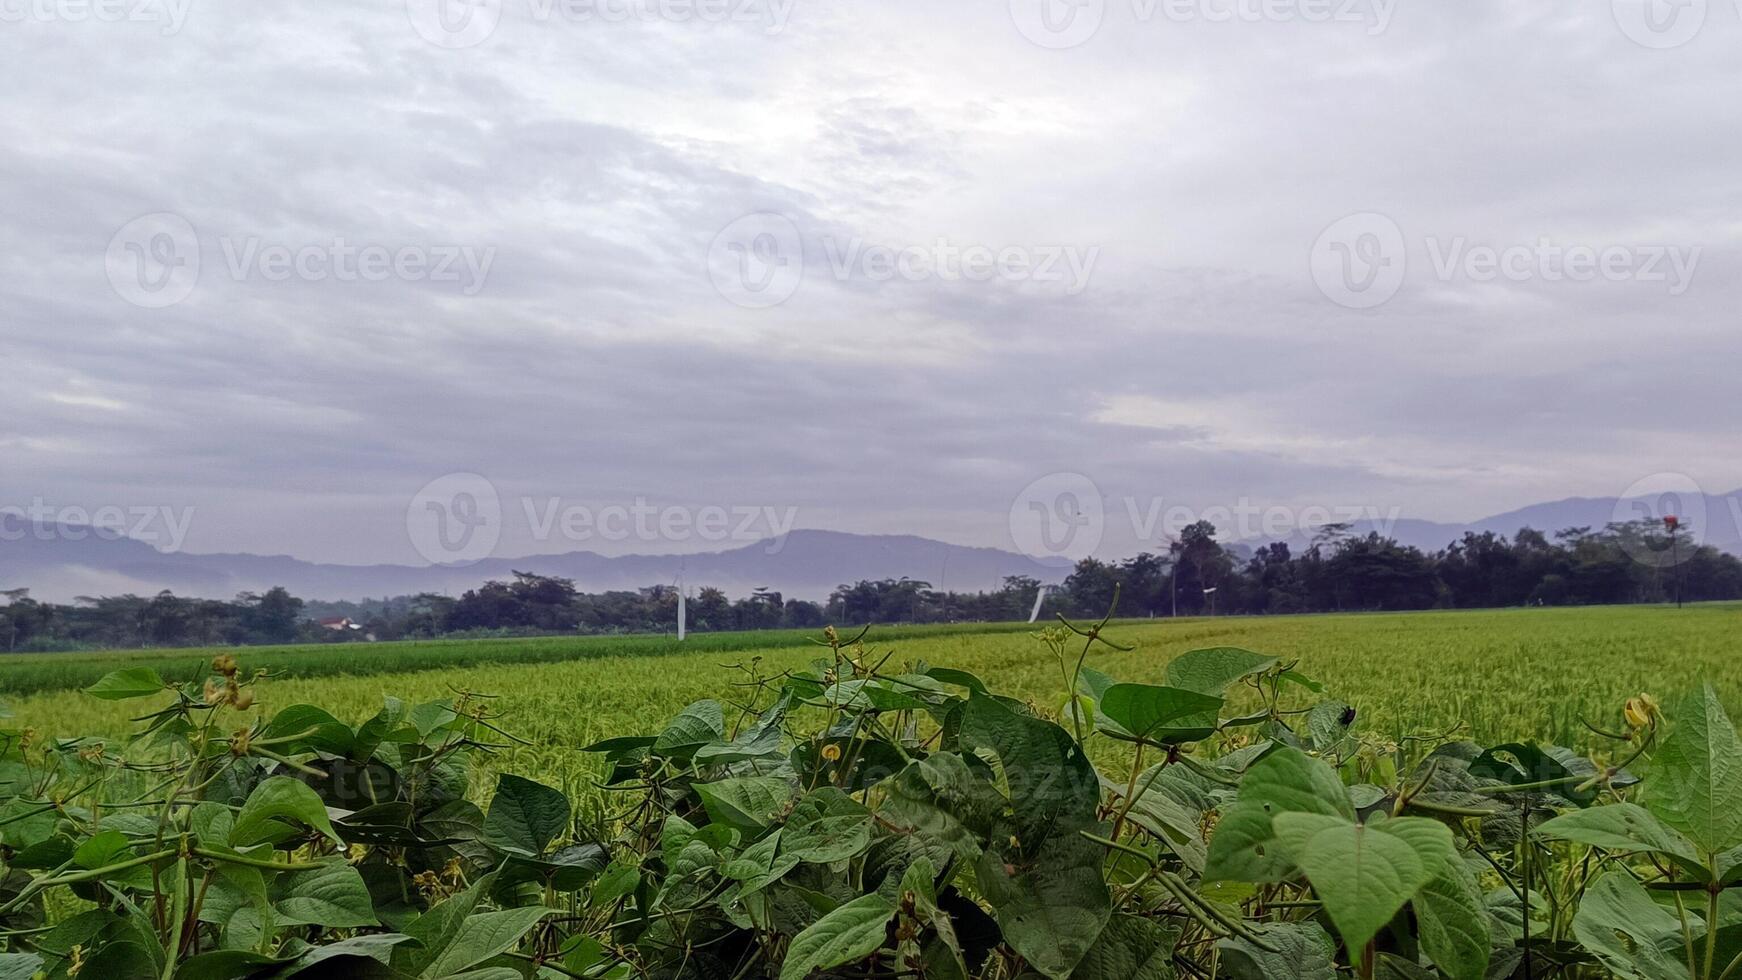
[178, 915]
[1711, 928]
[78, 876]
[254, 862]
[1681, 910]
[1130, 792]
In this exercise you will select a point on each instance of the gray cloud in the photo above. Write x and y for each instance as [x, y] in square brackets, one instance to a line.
[597, 162]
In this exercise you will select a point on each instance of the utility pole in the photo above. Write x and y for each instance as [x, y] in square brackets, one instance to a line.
[1173, 549]
[1673, 524]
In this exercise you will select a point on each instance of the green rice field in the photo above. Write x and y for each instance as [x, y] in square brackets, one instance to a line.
[1497, 675]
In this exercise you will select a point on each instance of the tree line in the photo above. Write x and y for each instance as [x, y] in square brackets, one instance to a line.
[1196, 575]
[1633, 562]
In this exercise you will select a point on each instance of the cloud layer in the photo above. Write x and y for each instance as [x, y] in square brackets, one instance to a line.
[883, 264]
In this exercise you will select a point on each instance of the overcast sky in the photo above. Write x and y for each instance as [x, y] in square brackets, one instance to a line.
[286, 264]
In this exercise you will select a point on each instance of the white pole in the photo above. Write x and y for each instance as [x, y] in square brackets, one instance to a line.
[681, 617]
[1039, 597]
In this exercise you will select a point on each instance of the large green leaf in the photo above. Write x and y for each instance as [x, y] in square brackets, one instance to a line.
[308, 728]
[1523, 763]
[1625, 827]
[1285, 781]
[960, 678]
[333, 896]
[1364, 873]
[377, 947]
[127, 683]
[759, 741]
[1636, 938]
[1298, 951]
[702, 723]
[388, 725]
[615, 883]
[866, 694]
[759, 865]
[1695, 783]
[1041, 876]
[106, 848]
[745, 803]
[222, 964]
[846, 935]
[525, 816]
[1172, 811]
[19, 966]
[1211, 671]
[124, 960]
[1129, 948]
[1048, 777]
[433, 931]
[237, 901]
[482, 936]
[827, 826]
[1051, 903]
[264, 815]
[1327, 724]
[939, 799]
[1162, 715]
[1452, 920]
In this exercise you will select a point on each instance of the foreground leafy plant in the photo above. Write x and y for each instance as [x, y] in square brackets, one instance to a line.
[857, 819]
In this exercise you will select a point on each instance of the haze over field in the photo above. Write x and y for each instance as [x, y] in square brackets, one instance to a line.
[881, 267]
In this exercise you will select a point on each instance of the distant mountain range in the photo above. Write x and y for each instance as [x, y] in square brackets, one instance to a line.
[1714, 519]
[805, 563]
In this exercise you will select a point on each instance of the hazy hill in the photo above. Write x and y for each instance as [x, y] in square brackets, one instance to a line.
[806, 563]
